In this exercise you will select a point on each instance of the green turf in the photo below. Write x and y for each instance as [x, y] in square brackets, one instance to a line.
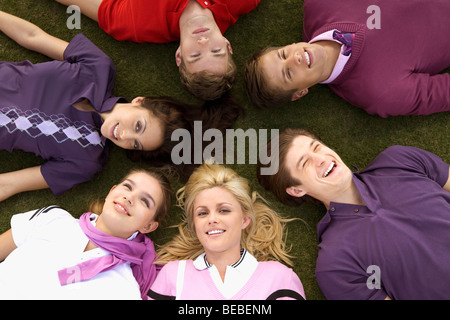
[149, 69]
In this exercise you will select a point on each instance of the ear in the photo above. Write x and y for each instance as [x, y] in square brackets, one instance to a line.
[245, 222]
[295, 191]
[229, 46]
[298, 94]
[178, 56]
[152, 226]
[137, 100]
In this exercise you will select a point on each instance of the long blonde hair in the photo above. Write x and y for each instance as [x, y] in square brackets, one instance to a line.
[263, 237]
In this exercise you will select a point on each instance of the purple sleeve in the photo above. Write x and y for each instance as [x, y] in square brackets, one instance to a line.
[62, 175]
[415, 160]
[347, 285]
[417, 94]
[94, 72]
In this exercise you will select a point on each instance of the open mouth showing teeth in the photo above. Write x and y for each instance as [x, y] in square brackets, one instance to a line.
[308, 59]
[116, 129]
[215, 232]
[330, 169]
[121, 208]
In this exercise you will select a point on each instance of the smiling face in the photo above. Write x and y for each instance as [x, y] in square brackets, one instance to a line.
[133, 127]
[202, 45]
[131, 206]
[219, 221]
[322, 173]
[297, 66]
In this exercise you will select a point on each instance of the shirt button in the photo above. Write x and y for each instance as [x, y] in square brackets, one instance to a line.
[206, 3]
[356, 210]
[333, 209]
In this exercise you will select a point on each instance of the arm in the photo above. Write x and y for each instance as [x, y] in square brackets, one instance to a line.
[87, 7]
[31, 36]
[418, 94]
[7, 244]
[15, 182]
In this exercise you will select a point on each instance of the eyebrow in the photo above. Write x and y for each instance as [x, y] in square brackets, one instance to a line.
[142, 133]
[146, 194]
[218, 205]
[283, 73]
[302, 157]
[217, 55]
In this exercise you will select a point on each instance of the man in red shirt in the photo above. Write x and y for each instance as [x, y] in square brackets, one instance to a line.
[204, 54]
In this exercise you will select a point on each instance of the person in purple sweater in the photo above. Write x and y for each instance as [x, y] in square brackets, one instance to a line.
[386, 232]
[225, 244]
[64, 112]
[383, 56]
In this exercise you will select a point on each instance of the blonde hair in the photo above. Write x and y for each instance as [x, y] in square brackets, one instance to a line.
[263, 237]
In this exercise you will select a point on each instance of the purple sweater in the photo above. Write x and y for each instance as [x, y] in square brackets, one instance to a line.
[392, 70]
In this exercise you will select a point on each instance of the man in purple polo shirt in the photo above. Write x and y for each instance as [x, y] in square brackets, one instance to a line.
[386, 232]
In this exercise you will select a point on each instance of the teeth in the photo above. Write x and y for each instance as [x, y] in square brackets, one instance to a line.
[115, 131]
[308, 59]
[329, 169]
[215, 232]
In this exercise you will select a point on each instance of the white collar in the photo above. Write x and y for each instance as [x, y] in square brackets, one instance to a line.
[201, 263]
[236, 275]
[341, 61]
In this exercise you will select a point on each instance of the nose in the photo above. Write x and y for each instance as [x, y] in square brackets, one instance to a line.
[128, 138]
[203, 40]
[295, 59]
[212, 217]
[318, 159]
[128, 198]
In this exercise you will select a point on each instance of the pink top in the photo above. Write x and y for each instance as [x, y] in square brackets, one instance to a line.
[269, 280]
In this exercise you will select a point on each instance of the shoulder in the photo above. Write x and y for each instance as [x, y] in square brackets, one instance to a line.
[81, 49]
[48, 213]
[403, 155]
[285, 282]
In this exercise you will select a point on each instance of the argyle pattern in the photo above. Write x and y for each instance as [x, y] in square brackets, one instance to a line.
[36, 123]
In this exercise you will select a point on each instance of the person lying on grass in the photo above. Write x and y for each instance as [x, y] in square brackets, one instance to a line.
[225, 244]
[376, 65]
[48, 254]
[64, 112]
[204, 56]
[386, 231]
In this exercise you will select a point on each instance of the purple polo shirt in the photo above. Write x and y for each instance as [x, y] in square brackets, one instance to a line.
[399, 240]
[37, 113]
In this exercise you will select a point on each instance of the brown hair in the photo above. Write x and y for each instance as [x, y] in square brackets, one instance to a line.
[278, 182]
[220, 114]
[206, 85]
[96, 206]
[258, 90]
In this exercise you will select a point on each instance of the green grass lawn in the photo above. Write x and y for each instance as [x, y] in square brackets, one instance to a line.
[150, 70]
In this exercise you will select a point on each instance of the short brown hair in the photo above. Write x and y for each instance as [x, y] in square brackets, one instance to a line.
[258, 90]
[282, 179]
[206, 85]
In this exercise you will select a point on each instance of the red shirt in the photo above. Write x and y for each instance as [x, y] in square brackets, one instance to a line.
[157, 20]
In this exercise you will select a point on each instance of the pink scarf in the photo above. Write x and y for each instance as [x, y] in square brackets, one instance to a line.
[140, 252]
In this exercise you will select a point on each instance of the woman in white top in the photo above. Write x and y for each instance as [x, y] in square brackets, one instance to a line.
[48, 254]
